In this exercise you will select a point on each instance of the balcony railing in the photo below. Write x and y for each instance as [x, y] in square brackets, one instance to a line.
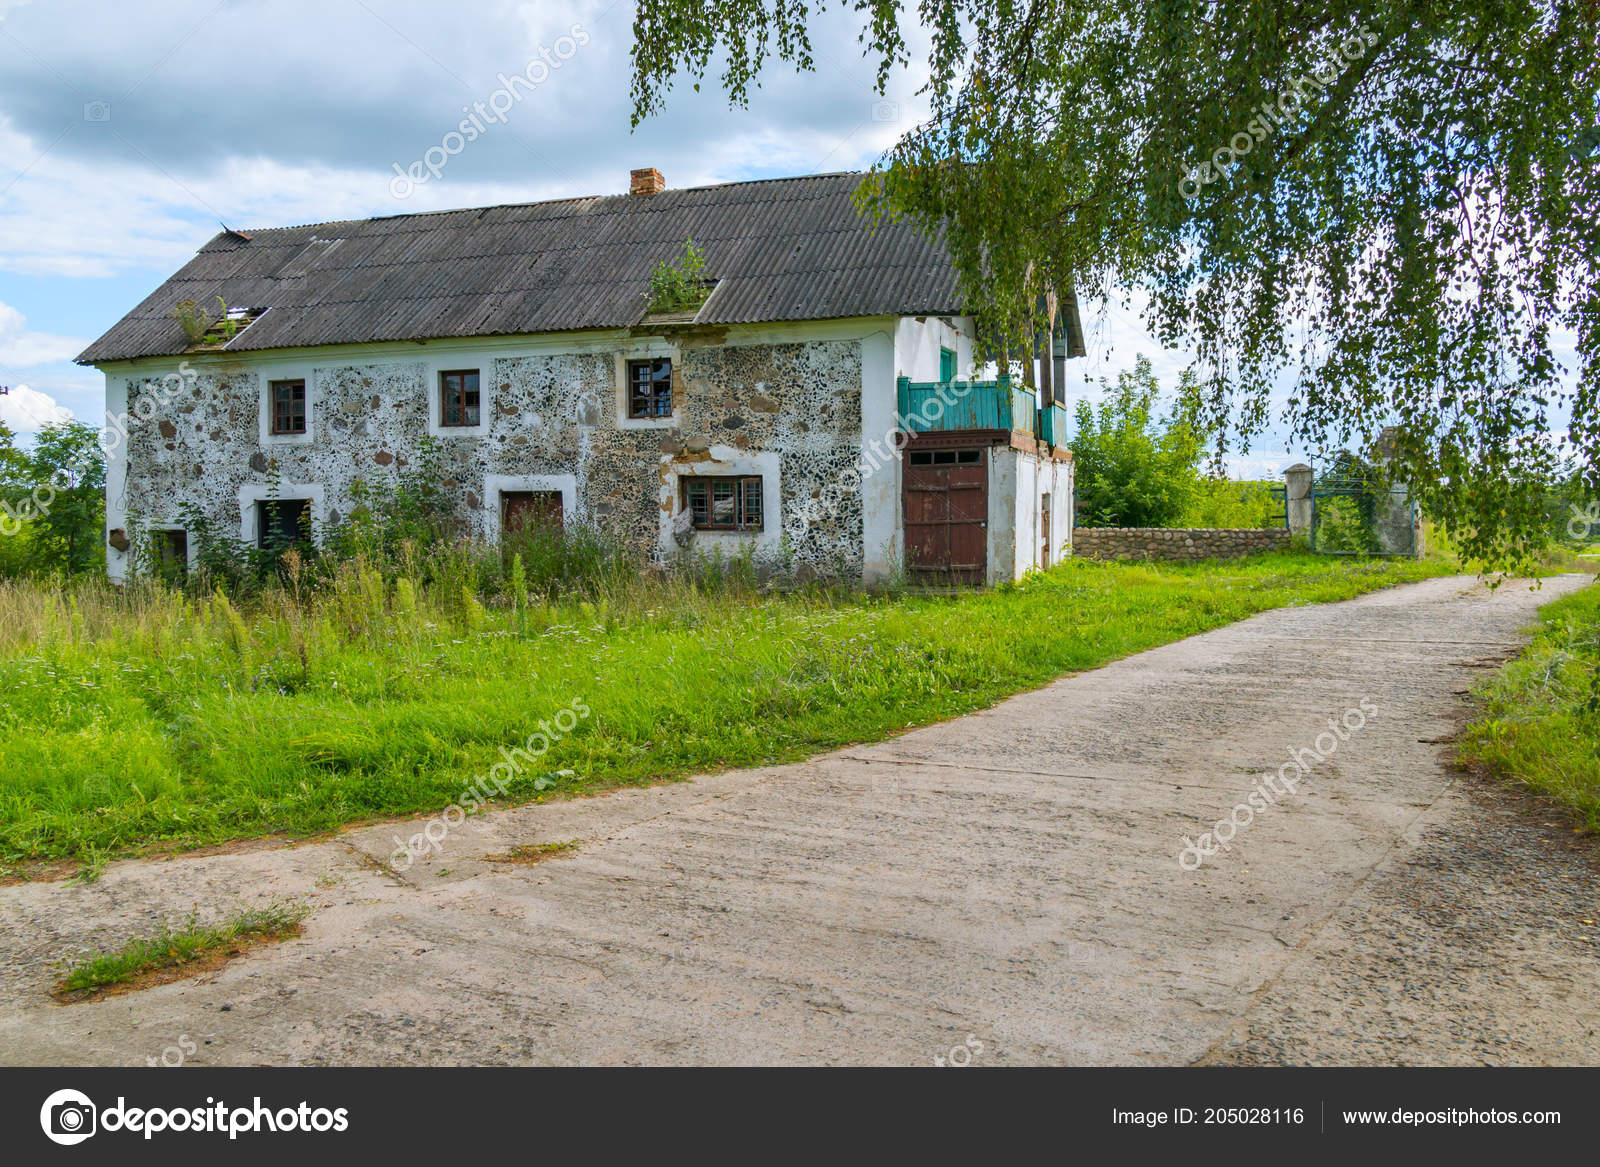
[1053, 426]
[946, 406]
[941, 406]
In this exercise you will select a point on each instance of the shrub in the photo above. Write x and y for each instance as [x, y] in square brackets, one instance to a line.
[679, 285]
[1223, 502]
[580, 558]
[1341, 527]
[58, 490]
[1131, 470]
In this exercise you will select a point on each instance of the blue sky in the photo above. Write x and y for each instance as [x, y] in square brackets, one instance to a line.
[127, 134]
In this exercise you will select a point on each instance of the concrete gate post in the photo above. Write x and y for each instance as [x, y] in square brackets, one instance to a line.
[1297, 499]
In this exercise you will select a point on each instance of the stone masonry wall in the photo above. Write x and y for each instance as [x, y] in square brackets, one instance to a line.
[1175, 543]
[549, 414]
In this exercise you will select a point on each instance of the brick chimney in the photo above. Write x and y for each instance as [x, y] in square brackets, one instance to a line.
[646, 182]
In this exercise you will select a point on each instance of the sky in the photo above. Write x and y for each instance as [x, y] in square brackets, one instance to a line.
[129, 132]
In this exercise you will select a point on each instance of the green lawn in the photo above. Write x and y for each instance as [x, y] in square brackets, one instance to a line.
[144, 719]
[1541, 713]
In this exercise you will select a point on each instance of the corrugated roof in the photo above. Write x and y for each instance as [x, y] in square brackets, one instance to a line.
[782, 249]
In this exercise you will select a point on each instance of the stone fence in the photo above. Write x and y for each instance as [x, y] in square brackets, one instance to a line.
[1175, 542]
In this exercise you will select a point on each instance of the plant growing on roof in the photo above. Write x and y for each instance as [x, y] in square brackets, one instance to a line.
[680, 284]
[200, 324]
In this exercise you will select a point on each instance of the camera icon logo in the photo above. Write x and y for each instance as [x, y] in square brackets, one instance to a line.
[97, 111]
[68, 1117]
[885, 111]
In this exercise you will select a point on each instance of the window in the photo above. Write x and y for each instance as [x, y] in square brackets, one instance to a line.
[650, 388]
[458, 397]
[282, 522]
[172, 554]
[288, 399]
[947, 364]
[946, 457]
[724, 503]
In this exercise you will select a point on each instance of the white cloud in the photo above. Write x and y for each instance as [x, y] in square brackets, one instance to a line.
[1261, 465]
[20, 348]
[142, 187]
[26, 411]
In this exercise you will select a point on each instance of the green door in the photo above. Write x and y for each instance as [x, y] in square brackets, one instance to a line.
[947, 365]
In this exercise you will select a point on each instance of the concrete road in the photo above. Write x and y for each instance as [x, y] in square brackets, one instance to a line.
[1001, 889]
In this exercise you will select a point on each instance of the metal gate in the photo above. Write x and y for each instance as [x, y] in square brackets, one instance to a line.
[1353, 516]
[946, 500]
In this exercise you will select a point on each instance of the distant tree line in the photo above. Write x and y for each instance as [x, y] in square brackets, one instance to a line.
[52, 502]
[1138, 465]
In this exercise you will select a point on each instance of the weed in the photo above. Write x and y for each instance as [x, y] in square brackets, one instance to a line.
[173, 947]
[533, 852]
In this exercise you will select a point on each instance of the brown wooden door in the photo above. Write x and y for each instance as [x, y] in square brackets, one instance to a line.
[524, 509]
[947, 515]
[1044, 530]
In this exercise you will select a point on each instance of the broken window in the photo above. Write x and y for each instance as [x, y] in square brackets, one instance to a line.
[724, 503]
[458, 397]
[288, 406]
[282, 522]
[650, 388]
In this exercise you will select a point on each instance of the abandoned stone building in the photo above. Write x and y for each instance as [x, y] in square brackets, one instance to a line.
[819, 404]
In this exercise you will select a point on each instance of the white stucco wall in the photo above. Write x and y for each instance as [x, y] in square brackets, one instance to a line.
[880, 466]
[1056, 479]
[918, 340]
[1052, 478]
[116, 448]
[1007, 473]
[1018, 484]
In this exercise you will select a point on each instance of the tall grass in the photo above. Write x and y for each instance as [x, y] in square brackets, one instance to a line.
[1541, 713]
[149, 715]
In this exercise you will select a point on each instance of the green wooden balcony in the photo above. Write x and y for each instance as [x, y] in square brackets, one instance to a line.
[943, 406]
[947, 406]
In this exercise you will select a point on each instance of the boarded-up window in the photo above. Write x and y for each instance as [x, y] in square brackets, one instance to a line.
[458, 397]
[524, 510]
[288, 407]
[724, 503]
